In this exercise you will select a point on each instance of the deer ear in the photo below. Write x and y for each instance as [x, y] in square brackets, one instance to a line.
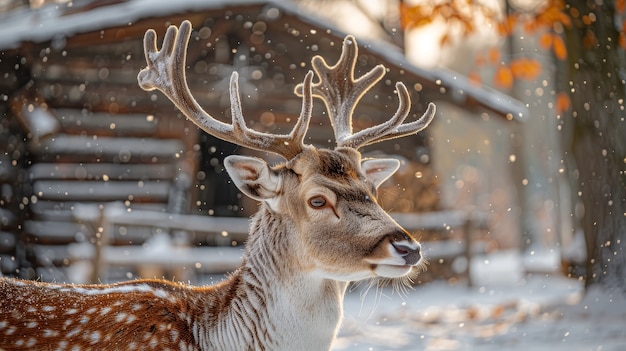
[379, 170]
[253, 176]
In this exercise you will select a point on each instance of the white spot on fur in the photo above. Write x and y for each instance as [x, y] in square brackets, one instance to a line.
[120, 317]
[165, 295]
[48, 333]
[73, 332]
[94, 337]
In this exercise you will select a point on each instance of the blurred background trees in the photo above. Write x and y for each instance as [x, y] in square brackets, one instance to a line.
[585, 41]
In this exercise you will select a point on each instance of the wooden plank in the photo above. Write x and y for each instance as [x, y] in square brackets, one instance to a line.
[52, 210]
[61, 233]
[56, 210]
[118, 215]
[7, 241]
[96, 171]
[153, 191]
[51, 232]
[125, 149]
[52, 254]
[8, 264]
[7, 218]
[76, 121]
[209, 259]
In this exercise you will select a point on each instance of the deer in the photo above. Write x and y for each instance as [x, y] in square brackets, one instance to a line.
[318, 228]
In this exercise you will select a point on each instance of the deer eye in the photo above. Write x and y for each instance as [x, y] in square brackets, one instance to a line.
[317, 202]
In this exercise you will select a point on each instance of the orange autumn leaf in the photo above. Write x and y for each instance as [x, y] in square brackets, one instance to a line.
[505, 27]
[530, 27]
[587, 21]
[590, 40]
[553, 13]
[545, 40]
[503, 77]
[493, 56]
[562, 102]
[558, 45]
[622, 40]
[414, 16]
[525, 68]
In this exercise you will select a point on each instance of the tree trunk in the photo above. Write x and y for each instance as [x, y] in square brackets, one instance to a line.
[597, 127]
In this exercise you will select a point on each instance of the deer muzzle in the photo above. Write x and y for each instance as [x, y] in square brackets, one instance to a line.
[406, 247]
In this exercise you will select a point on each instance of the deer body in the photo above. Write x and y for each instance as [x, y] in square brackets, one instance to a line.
[286, 296]
[157, 315]
[318, 227]
[259, 307]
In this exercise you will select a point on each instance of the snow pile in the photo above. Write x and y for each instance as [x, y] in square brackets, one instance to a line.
[537, 312]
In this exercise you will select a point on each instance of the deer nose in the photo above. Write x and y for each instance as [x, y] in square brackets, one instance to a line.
[408, 248]
[411, 255]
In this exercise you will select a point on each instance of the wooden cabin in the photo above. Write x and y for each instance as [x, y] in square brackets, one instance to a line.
[78, 134]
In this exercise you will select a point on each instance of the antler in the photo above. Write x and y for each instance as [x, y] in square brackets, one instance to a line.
[166, 72]
[341, 93]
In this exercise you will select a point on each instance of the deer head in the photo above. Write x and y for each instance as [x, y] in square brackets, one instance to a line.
[326, 198]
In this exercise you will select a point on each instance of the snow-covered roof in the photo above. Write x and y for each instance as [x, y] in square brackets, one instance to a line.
[55, 22]
[52, 21]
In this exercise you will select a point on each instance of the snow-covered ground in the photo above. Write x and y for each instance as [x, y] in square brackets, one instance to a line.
[506, 310]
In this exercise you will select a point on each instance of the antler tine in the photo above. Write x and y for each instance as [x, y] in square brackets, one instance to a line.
[341, 93]
[407, 128]
[166, 72]
[286, 145]
[339, 90]
[366, 136]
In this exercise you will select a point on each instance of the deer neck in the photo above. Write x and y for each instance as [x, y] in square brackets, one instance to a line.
[274, 303]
